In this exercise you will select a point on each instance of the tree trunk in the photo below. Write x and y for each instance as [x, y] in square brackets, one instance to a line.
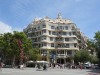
[13, 62]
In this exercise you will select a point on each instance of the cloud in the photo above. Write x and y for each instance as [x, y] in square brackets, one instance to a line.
[18, 29]
[4, 28]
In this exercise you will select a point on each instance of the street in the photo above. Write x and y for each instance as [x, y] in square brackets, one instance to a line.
[33, 71]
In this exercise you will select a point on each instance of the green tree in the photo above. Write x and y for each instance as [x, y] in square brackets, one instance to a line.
[94, 59]
[7, 51]
[97, 43]
[34, 54]
[77, 57]
[91, 45]
[25, 42]
[81, 56]
[10, 48]
[1, 47]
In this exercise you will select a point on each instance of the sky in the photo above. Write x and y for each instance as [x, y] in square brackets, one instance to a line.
[17, 14]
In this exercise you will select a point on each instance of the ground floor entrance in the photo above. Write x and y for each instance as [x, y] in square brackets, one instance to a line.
[58, 60]
[64, 60]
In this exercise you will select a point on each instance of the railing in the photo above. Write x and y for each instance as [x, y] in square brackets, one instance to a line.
[61, 55]
[69, 55]
[59, 41]
[59, 34]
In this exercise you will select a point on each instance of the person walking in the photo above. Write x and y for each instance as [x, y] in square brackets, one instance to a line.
[81, 66]
[0, 66]
[44, 67]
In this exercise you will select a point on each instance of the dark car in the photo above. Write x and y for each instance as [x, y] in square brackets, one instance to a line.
[96, 66]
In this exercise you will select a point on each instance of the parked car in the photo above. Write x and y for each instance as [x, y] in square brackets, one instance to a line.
[87, 65]
[96, 66]
[7, 66]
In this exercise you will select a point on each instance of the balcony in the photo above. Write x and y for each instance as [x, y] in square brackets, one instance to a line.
[30, 31]
[59, 35]
[69, 48]
[44, 54]
[69, 55]
[34, 36]
[59, 41]
[61, 55]
[58, 29]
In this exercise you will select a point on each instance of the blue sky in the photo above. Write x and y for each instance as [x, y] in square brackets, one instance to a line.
[17, 14]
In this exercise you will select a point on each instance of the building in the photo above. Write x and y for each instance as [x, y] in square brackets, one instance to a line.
[58, 39]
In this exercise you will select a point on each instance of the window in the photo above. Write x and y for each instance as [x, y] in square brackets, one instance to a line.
[57, 28]
[43, 51]
[38, 27]
[62, 51]
[43, 26]
[40, 33]
[66, 27]
[70, 33]
[75, 45]
[59, 33]
[34, 29]
[52, 44]
[52, 27]
[74, 33]
[43, 31]
[73, 27]
[59, 45]
[53, 33]
[66, 39]
[64, 33]
[51, 38]
[37, 34]
[44, 38]
[67, 46]
[44, 44]
[49, 32]
[69, 52]
[39, 39]
[41, 44]
[74, 38]
[61, 27]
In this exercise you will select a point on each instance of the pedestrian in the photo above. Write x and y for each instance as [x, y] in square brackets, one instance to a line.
[44, 67]
[38, 66]
[64, 65]
[81, 66]
[0, 66]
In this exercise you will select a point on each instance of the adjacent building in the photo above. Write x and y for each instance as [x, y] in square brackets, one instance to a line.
[58, 39]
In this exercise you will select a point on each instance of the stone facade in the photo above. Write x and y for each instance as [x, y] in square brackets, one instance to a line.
[59, 37]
